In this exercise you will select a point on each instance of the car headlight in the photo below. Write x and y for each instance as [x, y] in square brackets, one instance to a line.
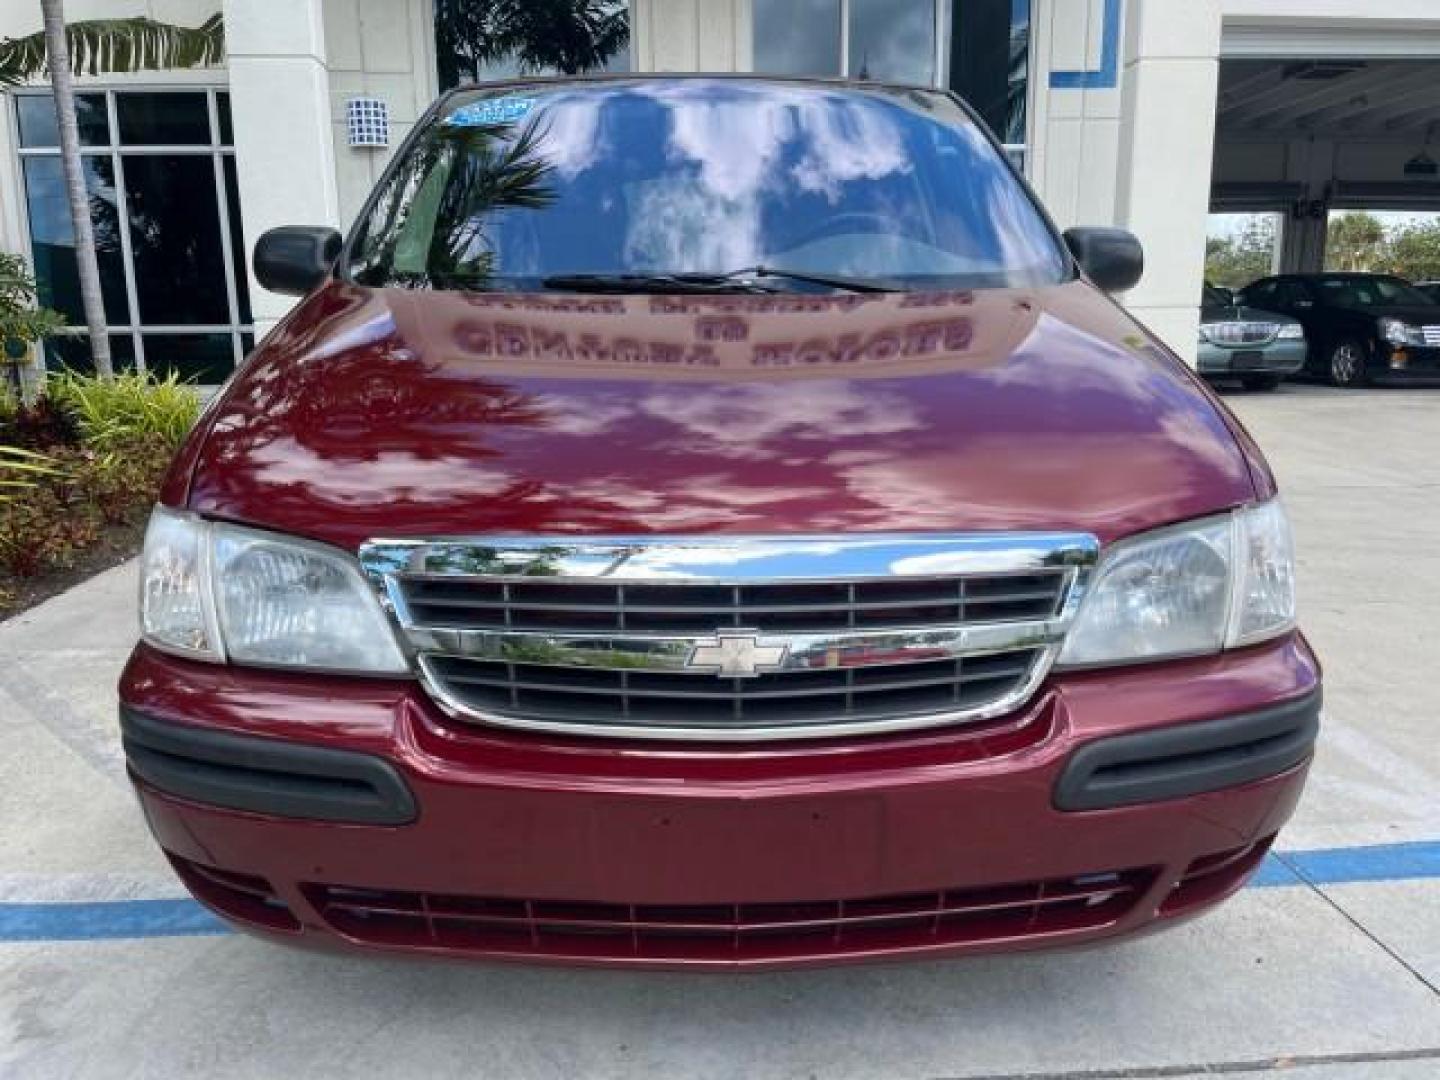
[1189, 590]
[220, 592]
[1398, 332]
[1204, 337]
[1291, 332]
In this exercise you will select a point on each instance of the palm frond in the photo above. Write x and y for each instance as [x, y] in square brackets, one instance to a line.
[104, 46]
[19, 470]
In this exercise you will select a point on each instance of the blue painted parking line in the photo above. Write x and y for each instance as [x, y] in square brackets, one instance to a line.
[1341, 866]
[104, 920]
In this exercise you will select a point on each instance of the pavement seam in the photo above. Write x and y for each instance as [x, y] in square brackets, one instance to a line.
[1283, 1063]
[55, 715]
[1294, 867]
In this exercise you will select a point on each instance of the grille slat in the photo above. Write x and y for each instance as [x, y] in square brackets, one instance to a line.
[1034, 595]
[784, 607]
[502, 682]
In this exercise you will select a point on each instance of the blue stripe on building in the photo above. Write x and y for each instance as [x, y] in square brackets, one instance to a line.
[1107, 76]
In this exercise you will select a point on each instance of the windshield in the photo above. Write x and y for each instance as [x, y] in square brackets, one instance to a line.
[1364, 292]
[509, 187]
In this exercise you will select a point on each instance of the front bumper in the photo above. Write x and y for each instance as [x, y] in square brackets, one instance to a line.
[1409, 360]
[597, 851]
[1277, 358]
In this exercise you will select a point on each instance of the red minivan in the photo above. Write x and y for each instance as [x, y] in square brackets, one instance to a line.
[718, 523]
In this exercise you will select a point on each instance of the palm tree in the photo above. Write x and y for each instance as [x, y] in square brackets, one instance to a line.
[98, 46]
[570, 36]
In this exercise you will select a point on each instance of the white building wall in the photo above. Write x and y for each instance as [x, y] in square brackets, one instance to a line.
[293, 67]
[383, 49]
[1167, 135]
[691, 35]
[1075, 108]
[280, 102]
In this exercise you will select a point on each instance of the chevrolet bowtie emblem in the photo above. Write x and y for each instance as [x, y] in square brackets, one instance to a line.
[736, 656]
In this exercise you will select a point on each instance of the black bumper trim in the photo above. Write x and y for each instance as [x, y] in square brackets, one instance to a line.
[1189, 759]
[263, 775]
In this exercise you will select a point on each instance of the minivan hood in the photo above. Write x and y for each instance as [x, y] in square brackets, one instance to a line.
[371, 413]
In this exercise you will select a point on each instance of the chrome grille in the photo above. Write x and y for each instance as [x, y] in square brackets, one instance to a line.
[1432, 335]
[733, 638]
[1241, 333]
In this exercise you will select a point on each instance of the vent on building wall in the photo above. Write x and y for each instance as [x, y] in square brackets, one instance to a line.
[368, 122]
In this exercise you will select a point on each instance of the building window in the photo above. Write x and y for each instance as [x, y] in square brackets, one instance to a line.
[160, 167]
[488, 42]
[990, 66]
[978, 48]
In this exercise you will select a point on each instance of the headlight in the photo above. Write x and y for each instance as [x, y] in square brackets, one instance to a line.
[1397, 332]
[1291, 332]
[216, 592]
[175, 610]
[1204, 337]
[1189, 590]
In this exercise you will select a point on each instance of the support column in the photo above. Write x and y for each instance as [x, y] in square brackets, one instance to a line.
[1167, 136]
[280, 102]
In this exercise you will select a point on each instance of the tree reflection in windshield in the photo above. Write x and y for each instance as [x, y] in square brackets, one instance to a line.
[429, 226]
[699, 175]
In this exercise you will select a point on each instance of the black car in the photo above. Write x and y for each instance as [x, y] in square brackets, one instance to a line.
[1359, 326]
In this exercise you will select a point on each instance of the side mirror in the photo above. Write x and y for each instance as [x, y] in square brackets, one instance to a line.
[293, 259]
[1111, 258]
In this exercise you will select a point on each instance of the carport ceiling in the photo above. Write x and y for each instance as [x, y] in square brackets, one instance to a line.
[1330, 98]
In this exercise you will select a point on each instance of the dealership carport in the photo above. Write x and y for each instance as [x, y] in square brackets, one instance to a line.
[1134, 145]
[1348, 128]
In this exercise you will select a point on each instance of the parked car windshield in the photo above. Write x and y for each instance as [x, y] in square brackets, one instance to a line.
[509, 187]
[1211, 297]
[1368, 290]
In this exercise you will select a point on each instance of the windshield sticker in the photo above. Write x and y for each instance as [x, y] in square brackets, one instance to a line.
[501, 110]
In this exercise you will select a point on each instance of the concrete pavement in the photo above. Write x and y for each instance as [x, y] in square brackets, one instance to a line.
[1316, 982]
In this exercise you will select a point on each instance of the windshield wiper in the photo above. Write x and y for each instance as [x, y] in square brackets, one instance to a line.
[649, 283]
[745, 280]
[830, 281]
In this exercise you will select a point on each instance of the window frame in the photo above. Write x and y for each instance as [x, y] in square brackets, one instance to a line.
[241, 333]
[1018, 153]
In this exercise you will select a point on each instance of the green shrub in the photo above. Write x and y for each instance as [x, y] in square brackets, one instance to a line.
[131, 408]
[60, 503]
[41, 426]
[87, 457]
